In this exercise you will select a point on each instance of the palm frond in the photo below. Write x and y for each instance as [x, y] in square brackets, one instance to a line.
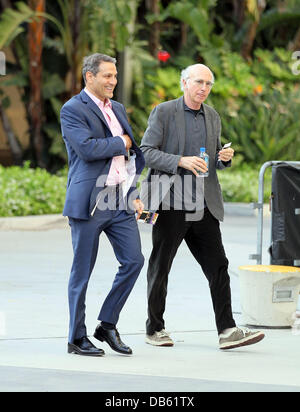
[11, 21]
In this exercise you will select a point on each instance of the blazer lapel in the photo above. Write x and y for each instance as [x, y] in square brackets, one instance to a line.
[180, 124]
[91, 105]
[210, 141]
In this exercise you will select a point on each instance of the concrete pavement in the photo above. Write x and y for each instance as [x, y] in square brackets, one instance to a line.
[35, 259]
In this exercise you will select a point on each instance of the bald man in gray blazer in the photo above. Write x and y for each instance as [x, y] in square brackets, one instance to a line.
[190, 205]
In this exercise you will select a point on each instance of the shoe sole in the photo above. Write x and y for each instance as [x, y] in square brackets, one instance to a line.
[74, 351]
[159, 343]
[243, 342]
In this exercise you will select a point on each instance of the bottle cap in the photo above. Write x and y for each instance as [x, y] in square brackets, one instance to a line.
[202, 149]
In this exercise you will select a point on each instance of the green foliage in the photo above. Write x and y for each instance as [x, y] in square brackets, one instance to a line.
[25, 191]
[256, 98]
[240, 184]
[195, 15]
[233, 75]
[276, 16]
[118, 12]
[237, 78]
[164, 85]
[258, 102]
[161, 84]
[11, 22]
[264, 127]
[261, 114]
[274, 66]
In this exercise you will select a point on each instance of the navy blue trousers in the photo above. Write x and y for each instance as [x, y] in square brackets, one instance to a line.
[122, 231]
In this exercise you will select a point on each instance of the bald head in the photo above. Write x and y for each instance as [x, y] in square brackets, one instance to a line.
[196, 83]
[194, 68]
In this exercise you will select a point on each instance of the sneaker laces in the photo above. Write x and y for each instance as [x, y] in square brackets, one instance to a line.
[163, 334]
[245, 331]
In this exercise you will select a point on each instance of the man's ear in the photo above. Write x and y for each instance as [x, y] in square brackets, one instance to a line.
[88, 77]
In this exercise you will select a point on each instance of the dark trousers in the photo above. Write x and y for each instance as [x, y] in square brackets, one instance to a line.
[203, 237]
[122, 231]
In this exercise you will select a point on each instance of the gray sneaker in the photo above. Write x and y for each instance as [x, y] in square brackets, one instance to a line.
[239, 337]
[161, 338]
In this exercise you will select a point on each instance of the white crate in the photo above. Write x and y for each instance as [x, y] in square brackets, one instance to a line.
[269, 294]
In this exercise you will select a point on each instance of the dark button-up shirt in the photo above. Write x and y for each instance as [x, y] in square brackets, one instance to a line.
[184, 197]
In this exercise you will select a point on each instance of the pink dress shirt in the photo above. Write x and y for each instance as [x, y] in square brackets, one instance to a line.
[117, 172]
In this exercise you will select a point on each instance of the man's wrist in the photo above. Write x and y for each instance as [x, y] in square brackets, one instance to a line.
[124, 140]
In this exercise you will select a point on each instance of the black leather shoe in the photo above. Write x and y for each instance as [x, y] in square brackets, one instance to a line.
[84, 346]
[112, 337]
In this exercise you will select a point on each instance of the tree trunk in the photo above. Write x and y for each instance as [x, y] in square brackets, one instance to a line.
[5, 4]
[184, 34]
[74, 20]
[239, 8]
[13, 142]
[125, 62]
[248, 42]
[295, 43]
[154, 40]
[35, 45]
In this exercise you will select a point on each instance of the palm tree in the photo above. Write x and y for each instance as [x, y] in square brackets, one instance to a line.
[75, 36]
[11, 27]
[153, 7]
[35, 48]
[255, 10]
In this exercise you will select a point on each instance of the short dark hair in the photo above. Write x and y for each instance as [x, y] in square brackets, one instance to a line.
[91, 63]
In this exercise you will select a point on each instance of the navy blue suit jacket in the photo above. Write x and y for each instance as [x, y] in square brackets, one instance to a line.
[90, 148]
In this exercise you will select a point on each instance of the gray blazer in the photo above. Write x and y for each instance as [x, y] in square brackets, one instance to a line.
[163, 146]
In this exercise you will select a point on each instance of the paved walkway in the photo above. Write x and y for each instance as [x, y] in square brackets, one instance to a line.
[34, 265]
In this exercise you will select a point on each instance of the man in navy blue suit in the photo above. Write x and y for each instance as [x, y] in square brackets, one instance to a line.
[104, 165]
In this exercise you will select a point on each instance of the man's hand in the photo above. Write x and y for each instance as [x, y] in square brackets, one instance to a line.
[138, 206]
[193, 163]
[128, 141]
[226, 154]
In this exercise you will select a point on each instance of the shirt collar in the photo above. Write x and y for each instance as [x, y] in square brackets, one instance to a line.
[100, 103]
[188, 108]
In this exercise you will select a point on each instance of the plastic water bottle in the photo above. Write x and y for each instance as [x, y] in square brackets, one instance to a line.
[204, 156]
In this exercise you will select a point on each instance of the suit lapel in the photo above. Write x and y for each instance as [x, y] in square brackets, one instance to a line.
[92, 106]
[180, 124]
[121, 117]
[210, 142]
[119, 114]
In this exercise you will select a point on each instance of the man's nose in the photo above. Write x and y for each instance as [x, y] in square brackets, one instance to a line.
[113, 82]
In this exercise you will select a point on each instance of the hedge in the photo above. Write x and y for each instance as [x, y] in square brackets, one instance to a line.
[26, 191]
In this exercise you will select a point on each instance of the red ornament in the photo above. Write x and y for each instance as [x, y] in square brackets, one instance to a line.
[163, 55]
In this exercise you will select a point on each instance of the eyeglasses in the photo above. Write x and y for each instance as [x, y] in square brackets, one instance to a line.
[201, 83]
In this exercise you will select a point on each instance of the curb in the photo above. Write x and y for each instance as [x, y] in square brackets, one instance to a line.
[48, 222]
[43, 222]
